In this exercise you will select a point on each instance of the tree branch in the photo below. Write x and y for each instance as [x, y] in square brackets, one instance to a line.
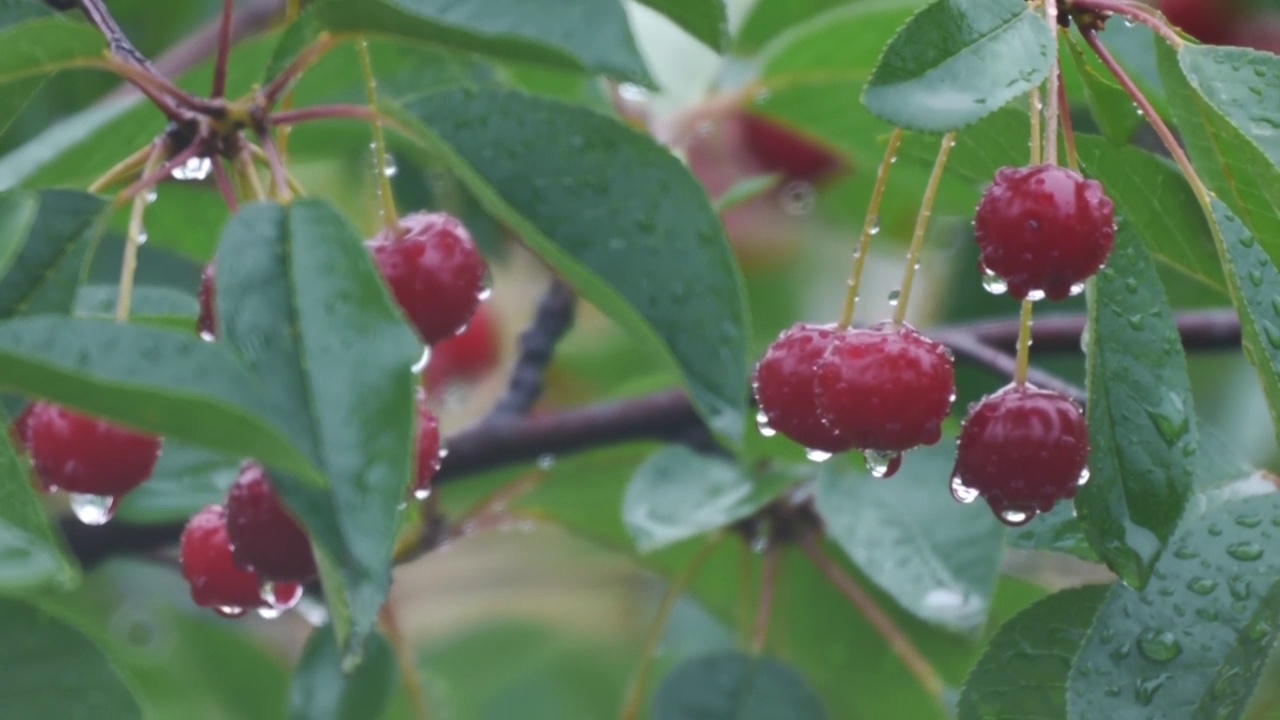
[666, 416]
[537, 347]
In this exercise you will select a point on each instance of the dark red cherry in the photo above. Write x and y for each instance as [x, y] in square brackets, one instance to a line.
[1044, 230]
[264, 536]
[84, 455]
[886, 389]
[428, 450]
[207, 323]
[434, 271]
[466, 357]
[783, 151]
[1023, 449]
[785, 388]
[210, 569]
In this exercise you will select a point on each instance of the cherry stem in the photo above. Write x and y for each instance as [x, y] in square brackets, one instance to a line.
[969, 347]
[922, 225]
[404, 658]
[1024, 343]
[149, 85]
[553, 319]
[1132, 12]
[1068, 129]
[914, 660]
[1052, 109]
[133, 236]
[260, 156]
[385, 195]
[150, 178]
[121, 170]
[1157, 123]
[282, 83]
[98, 14]
[676, 590]
[223, 181]
[768, 592]
[224, 50]
[276, 164]
[870, 227]
[249, 176]
[1036, 110]
[324, 112]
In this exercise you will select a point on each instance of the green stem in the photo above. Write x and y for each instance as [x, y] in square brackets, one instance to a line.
[1024, 344]
[870, 227]
[133, 236]
[922, 225]
[389, 216]
[768, 592]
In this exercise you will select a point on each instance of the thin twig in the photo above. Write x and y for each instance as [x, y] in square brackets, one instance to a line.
[914, 660]
[1134, 12]
[223, 181]
[323, 112]
[537, 347]
[224, 50]
[768, 592]
[150, 179]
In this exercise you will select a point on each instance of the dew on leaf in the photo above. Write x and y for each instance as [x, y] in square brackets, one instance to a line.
[1246, 551]
[1159, 645]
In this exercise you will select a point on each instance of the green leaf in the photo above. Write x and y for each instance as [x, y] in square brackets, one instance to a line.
[808, 68]
[937, 558]
[703, 19]
[154, 380]
[1023, 673]
[322, 691]
[1244, 85]
[1142, 422]
[1109, 104]
[1225, 151]
[733, 686]
[292, 42]
[678, 494]
[53, 234]
[1158, 202]
[1255, 287]
[1193, 643]
[185, 480]
[34, 48]
[53, 670]
[300, 300]
[957, 61]
[588, 34]
[770, 18]
[614, 213]
[30, 554]
[151, 305]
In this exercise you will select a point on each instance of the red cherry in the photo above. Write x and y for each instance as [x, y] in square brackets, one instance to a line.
[264, 536]
[783, 151]
[428, 450]
[80, 454]
[1023, 449]
[886, 389]
[1208, 21]
[786, 393]
[435, 272]
[207, 323]
[19, 432]
[466, 357]
[1044, 230]
[215, 579]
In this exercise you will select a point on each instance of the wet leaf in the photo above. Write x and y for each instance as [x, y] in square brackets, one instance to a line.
[46, 241]
[734, 686]
[31, 555]
[321, 690]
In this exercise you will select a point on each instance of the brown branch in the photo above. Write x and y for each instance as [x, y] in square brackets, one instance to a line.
[537, 347]
[666, 416]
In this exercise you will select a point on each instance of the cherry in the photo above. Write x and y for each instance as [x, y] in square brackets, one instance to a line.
[783, 151]
[207, 323]
[785, 389]
[216, 581]
[1023, 449]
[18, 432]
[264, 536]
[83, 455]
[1209, 22]
[885, 390]
[1044, 230]
[435, 272]
[428, 450]
[466, 357]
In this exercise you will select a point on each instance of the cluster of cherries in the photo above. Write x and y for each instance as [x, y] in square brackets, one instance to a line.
[250, 553]
[885, 389]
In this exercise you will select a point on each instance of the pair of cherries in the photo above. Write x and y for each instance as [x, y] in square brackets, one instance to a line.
[884, 390]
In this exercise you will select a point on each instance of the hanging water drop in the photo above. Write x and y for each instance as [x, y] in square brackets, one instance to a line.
[817, 456]
[142, 238]
[1083, 479]
[195, 169]
[390, 168]
[894, 296]
[151, 196]
[993, 283]
[421, 363]
[883, 464]
[1076, 289]
[762, 424]
[1014, 517]
[92, 509]
[421, 494]
[1035, 295]
[961, 492]
[230, 611]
